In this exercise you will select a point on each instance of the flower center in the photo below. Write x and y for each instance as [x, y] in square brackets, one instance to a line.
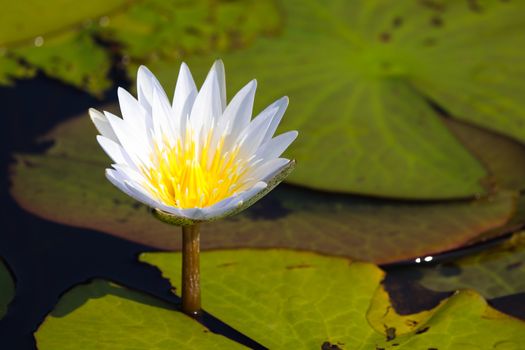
[185, 176]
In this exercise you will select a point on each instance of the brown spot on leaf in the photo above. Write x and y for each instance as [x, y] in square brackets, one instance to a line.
[227, 264]
[422, 330]
[429, 42]
[433, 5]
[329, 346]
[384, 37]
[411, 323]
[397, 22]
[387, 310]
[298, 266]
[390, 333]
[436, 21]
[474, 6]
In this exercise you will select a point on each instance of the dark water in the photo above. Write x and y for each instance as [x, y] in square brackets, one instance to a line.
[48, 259]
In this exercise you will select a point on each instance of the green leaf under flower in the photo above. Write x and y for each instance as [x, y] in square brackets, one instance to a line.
[297, 300]
[281, 299]
[105, 316]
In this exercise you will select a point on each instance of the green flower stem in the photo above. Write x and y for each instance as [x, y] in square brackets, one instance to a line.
[191, 288]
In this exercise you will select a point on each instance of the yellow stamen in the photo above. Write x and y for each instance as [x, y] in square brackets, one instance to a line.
[186, 176]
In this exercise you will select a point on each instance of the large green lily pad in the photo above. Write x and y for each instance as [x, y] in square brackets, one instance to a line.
[291, 300]
[104, 316]
[495, 272]
[360, 74]
[67, 185]
[7, 288]
[76, 43]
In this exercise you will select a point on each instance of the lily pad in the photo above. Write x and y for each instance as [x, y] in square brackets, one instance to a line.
[502, 157]
[291, 300]
[155, 29]
[496, 272]
[77, 43]
[24, 20]
[56, 37]
[105, 316]
[67, 185]
[7, 288]
[74, 57]
[360, 75]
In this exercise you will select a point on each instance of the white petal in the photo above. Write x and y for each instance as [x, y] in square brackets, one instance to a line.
[146, 81]
[281, 105]
[207, 107]
[276, 146]
[135, 144]
[114, 150]
[141, 194]
[218, 67]
[162, 116]
[237, 114]
[217, 210]
[247, 195]
[265, 171]
[132, 111]
[129, 173]
[185, 92]
[116, 179]
[102, 124]
[251, 137]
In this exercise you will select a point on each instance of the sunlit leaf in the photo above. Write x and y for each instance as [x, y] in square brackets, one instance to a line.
[77, 43]
[494, 272]
[7, 288]
[359, 75]
[67, 185]
[154, 29]
[292, 300]
[55, 37]
[104, 316]
[10, 69]
[25, 20]
[74, 57]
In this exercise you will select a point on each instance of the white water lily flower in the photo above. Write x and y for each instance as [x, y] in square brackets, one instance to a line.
[196, 159]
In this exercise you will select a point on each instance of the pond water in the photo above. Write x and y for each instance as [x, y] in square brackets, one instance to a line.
[47, 259]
